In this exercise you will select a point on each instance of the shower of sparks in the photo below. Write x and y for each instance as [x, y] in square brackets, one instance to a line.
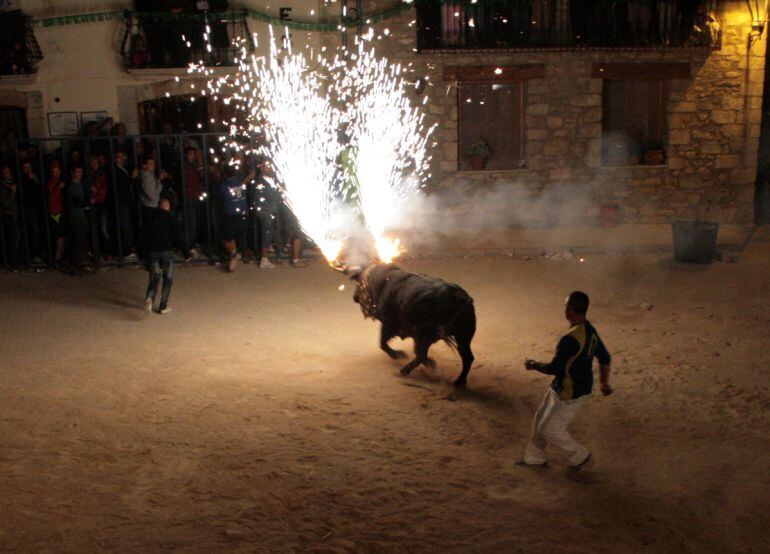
[280, 97]
[299, 111]
[300, 140]
[387, 140]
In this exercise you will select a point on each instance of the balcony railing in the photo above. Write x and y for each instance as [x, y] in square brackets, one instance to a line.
[164, 40]
[19, 51]
[567, 24]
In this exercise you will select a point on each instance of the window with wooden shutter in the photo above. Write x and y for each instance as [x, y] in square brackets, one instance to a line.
[493, 112]
[633, 122]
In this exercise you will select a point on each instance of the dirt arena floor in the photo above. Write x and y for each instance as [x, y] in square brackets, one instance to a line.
[260, 416]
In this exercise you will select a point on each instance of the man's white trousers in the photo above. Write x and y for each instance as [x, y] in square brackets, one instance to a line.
[550, 427]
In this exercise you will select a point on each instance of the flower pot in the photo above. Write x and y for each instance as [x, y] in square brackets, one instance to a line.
[654, 157]
[695, 241]
[478, 162]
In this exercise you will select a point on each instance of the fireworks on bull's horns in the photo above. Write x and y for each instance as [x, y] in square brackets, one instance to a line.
[387, 140]
[300, 109]
[387, 249]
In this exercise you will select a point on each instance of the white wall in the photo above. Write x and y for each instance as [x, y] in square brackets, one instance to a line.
[82, 68]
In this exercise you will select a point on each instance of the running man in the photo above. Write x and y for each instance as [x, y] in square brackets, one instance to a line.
[163, 234]
[572, 368]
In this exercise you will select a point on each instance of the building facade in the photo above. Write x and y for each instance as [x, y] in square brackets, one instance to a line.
[701, 93]
[644, 116]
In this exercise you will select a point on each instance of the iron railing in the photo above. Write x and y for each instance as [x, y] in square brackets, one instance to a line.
[19, 50]
[28, 237]
[566, 24]
[164, 40]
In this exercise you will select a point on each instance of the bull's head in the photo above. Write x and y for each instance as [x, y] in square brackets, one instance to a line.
[361, 296]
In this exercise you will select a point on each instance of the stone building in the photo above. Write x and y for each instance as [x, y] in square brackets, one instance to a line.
[642, 117]
[705, 92]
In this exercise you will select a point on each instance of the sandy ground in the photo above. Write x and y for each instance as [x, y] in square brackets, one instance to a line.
[260, 416]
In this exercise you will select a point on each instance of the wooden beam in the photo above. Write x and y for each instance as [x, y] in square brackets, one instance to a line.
[640, 71]
[493, 73]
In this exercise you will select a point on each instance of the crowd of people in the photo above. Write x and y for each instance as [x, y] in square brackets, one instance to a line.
[92, 200]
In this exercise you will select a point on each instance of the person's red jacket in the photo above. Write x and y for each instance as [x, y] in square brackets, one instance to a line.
[55, 188]
[99, 187]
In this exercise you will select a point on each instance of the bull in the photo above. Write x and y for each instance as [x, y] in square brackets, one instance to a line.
[424, 308]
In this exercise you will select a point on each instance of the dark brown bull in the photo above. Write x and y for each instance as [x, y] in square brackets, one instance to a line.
[418, 306]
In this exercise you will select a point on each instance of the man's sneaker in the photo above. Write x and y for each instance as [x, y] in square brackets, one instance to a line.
[148, 304]
[194, 253]
[265, 264]
[297, 263]
[164, 310]
[131, 257]
[581, 464]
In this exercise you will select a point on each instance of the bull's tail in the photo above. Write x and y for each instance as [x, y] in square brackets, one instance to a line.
[460, 325]
[461, 330]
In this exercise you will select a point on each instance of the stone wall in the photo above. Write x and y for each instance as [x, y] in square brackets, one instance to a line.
[713, 122]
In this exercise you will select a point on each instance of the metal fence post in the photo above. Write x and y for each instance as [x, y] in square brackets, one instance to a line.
[252, 190]
[22, 207]
[95, 248]
[46, 215]
[2, 240]
[183, 179]
[115, 206]
[208, 199]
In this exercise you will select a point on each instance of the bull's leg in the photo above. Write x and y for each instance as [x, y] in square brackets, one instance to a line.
[385, 335]
[421, 346]
[464, 348]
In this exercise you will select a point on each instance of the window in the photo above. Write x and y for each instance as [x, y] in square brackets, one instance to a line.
[13, 122]
[633, 122]
[494, 113]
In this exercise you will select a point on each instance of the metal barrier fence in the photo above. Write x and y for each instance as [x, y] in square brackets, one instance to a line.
[33, 214]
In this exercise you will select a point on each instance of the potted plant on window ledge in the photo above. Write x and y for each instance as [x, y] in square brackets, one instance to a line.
[478, 151]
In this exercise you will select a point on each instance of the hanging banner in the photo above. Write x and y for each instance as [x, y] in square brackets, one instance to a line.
[337, 25]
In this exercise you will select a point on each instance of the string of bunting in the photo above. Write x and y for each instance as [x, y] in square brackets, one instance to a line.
[227, 16]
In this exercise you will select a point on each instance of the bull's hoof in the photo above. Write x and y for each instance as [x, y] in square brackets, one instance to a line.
[431, 363]
[405, 371]
[459, 383]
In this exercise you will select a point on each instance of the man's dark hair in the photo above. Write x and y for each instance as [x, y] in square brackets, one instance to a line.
[187, 150]
[578, 301]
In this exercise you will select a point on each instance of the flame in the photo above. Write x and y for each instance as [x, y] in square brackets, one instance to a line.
[331, 249]
[388, 249]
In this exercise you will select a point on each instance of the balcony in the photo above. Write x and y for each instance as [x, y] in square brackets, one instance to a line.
[567, 24]
[157, 40]
[19, 51]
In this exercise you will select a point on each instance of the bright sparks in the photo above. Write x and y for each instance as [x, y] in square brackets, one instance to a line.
[301, 110]
[387, 249]
[300, 140]
[388, 143]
